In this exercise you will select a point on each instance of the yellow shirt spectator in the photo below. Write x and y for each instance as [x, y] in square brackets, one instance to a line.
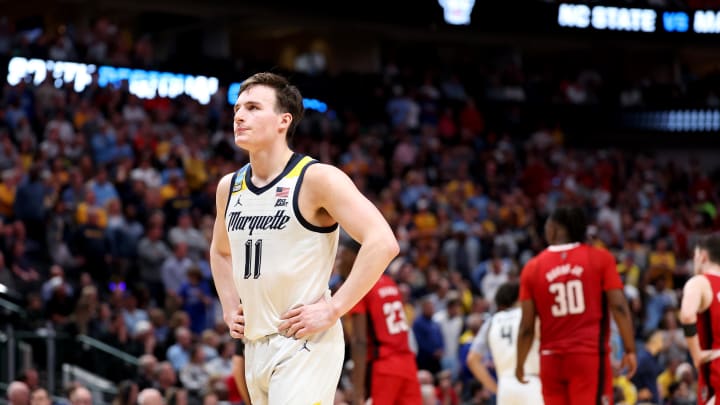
[631, 270]
[661, 262]
[81, 214]
[628, 389]
[196, 173]
[664, 380]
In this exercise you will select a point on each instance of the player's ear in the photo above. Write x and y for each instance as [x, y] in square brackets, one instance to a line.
[285, 120]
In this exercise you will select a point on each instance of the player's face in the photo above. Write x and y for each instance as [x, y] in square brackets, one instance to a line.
[255, 121]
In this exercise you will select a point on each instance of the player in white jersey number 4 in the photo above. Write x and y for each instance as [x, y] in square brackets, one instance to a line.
[274, 245]
[498, 337]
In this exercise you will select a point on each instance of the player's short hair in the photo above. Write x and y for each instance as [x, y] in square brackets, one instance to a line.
[507, 294]
[573, 220]
[711, 244]
[287, 97]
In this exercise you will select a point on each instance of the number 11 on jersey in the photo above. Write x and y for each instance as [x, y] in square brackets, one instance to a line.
[249, 258]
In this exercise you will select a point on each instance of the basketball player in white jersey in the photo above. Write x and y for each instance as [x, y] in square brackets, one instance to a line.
[274, 245]
[498, 336]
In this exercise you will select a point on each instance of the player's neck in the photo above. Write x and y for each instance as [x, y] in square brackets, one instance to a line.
[561, 245]
[713, 269]
[269, 163]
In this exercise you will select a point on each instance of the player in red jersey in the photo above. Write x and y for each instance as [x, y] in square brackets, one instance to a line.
[571, 286]
[700, 316]
[379, 340]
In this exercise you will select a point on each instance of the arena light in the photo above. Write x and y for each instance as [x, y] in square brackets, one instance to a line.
[607, 18]
[706, 22]
[308, 103]
[675, 120]
[149, 84]
[80, 74]
[676, 21]
[145, 84]
[457, 12]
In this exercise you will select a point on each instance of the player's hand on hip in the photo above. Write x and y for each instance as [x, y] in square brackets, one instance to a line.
[630, 361]
[520, 375]
[304, 320]
[236, 323]
[706, 356]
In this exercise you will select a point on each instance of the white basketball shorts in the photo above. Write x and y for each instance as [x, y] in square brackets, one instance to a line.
[513, 392]
[284, 371]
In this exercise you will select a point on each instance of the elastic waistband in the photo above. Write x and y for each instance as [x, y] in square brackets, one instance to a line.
[261, 339]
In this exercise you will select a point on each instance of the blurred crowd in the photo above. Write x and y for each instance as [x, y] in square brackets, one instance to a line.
[107, 205]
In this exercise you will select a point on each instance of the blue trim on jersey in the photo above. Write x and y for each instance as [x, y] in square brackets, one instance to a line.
[296, 208]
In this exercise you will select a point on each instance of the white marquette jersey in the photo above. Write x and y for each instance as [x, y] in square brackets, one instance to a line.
[279, 260]
[499, 335]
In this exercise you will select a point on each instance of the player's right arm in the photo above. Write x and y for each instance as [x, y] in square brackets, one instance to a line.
[358, 351]
[692, 303]
[221, 264]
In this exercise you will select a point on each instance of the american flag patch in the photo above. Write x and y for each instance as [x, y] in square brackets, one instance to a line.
[282, 192]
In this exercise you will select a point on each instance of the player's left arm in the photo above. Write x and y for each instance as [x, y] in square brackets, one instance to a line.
[334, 196]
[692, 304]
[474, 359]
[526, 335]
[526, 330]
[618, 306]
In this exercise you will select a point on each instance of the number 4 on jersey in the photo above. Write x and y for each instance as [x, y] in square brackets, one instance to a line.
[569, 298]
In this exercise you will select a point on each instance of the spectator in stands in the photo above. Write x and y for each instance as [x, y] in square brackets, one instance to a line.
[451, 321]
[648, 370]
[429, 337]
[175, 269]
[179, 354]
[40, 396]
[195, 295]
[166, 379]
[193, 375]
[80, 396]
[150, 396]
[56, 280]
[185, 232]
[152, 254]
[92, 247]
[221, 366]
[146, 370]
[29, 207]
[18, 393]
[127, 393]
